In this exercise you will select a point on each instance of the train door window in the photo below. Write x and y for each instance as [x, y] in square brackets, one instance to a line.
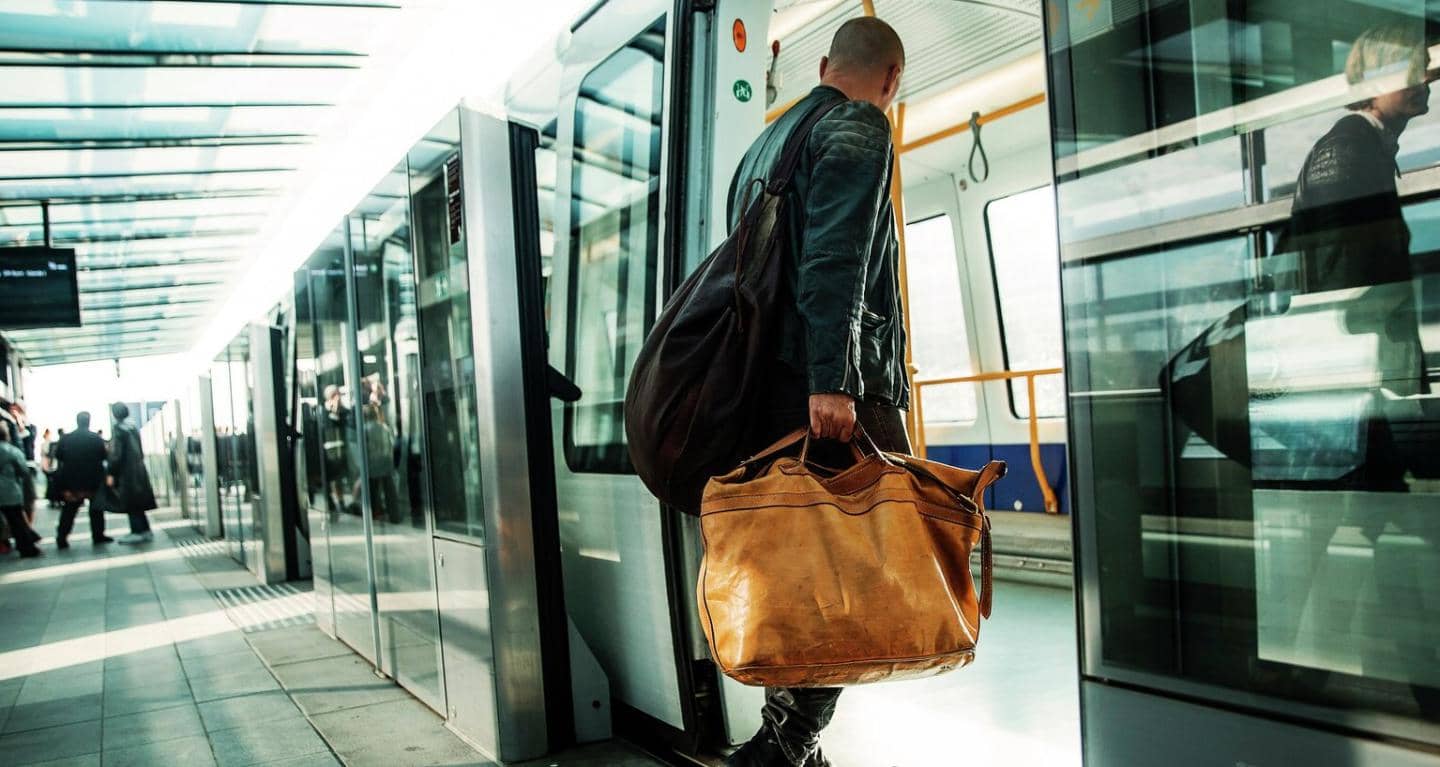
[614, 243]
[940, 340]
[446, 345]
[1025, 258]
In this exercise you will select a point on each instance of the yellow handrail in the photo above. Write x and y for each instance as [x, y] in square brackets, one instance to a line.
[1052, 504]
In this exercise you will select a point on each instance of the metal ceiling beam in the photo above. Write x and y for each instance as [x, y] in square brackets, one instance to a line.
[100, 221]
[186, 310]
[122, 305]
[164, 105]
[175, 235]
[104, 351]
[113, 59]
[82, 268]
[152, 286]
[92, 199]
[89, 330]
[372, 4]
[190, 142]
[143, 174]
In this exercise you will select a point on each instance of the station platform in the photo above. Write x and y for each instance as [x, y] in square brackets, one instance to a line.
[170, 653]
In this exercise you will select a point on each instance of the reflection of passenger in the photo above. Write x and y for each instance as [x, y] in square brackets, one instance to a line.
[380, 463]
[1346, 222]
[1347, 231]
[336, 428]
[1349, 240]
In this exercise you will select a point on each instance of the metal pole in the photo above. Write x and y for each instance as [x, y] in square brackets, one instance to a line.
[45, 221]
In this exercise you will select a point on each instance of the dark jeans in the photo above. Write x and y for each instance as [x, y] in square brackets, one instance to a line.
[139, 523]
[68, 510]
[796, 715]
[25, 537]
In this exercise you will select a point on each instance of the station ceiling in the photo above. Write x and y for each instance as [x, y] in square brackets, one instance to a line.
[163, 134]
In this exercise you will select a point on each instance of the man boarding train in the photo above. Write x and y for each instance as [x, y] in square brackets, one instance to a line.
[841, 349]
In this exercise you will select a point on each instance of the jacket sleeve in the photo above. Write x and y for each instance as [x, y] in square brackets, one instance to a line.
[116, 458]
[850, 164]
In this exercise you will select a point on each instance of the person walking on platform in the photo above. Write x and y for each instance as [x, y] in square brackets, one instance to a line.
[126, 474]
[842, 347]
[79, 472]
[14, 476]
[48, 464]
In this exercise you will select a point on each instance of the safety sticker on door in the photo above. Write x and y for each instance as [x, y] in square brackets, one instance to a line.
[743, 91]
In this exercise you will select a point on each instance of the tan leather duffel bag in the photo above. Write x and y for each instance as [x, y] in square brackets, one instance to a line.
[819, 578]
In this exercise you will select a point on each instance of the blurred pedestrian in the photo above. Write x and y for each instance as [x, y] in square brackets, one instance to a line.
[14, 476]
[126, 474]
[49, 465]
[79, 473]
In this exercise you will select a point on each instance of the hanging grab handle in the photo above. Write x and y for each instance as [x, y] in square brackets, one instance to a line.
[977, 148]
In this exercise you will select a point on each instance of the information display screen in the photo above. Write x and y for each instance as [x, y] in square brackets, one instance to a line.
[38, 288]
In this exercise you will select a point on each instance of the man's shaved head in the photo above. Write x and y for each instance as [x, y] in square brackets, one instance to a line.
[866, 45]
[865, 61]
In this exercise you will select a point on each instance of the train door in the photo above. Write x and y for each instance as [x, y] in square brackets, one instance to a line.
[622, 561]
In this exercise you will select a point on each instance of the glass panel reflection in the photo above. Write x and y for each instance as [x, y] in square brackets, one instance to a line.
[392, 441]
[232, 384]
[310, 469]
[333, 432]
[1253, 413]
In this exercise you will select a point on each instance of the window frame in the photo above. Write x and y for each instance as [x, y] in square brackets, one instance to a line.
[957, 252]
[1000, 307]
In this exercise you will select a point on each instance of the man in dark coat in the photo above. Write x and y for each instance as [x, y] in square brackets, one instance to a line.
[81, 472]
[127, 475]
[841, 347]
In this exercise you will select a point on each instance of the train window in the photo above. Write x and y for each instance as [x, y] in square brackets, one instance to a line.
[939, 338]
[1026, 260]
[445, 346]
[614, 244]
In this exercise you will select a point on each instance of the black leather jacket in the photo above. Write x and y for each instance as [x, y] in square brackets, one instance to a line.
[1346, 228]
[843, 331]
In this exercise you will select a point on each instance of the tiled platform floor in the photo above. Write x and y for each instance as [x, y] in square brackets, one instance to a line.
[122, 656]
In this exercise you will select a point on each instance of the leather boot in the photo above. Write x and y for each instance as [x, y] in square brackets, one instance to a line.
[762, 750]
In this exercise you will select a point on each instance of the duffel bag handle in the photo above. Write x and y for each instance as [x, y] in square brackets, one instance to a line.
[855, 444]
[779, 444]
[803, 433]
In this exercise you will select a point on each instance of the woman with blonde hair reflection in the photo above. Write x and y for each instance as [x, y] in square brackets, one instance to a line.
[1346, 222]
[1347, 229]
[1349, 240]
